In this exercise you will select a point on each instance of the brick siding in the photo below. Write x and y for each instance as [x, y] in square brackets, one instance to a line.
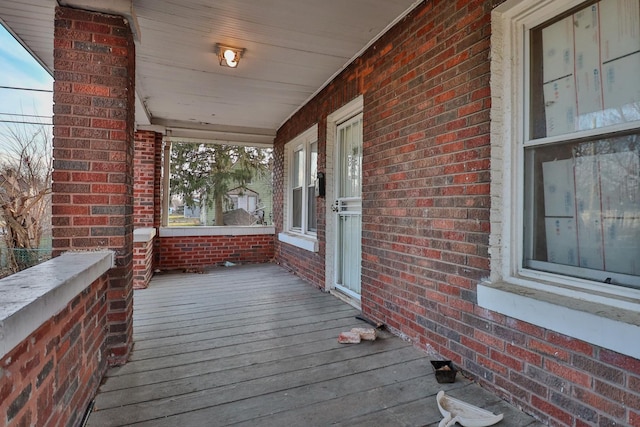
[157, 181]
[144, 187]
[50, 378]
[426, 206]
[92, 202]
[206, 251]
[147, 194]
[143, 263]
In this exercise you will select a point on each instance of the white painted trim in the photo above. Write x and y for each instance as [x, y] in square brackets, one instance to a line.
[350, 109]
[612, 328]
[309, 135]
[166, 178]
[142, 235]
[248, 230]
[304, 139]
[31, 297]
[330, 221]
[303, 242]
[583, 309]
[340, 294]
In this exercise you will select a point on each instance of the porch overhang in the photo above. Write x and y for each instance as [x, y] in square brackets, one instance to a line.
[293, 49]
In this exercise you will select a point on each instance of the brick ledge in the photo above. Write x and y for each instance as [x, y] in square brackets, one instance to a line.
[31, 297]
[216, 231]
[145, 234]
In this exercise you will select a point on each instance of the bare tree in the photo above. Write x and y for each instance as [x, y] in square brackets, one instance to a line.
[25, 186]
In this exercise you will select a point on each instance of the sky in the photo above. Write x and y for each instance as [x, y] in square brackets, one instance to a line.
[19, 69]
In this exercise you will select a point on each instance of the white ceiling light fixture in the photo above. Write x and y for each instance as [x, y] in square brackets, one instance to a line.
[229, 56]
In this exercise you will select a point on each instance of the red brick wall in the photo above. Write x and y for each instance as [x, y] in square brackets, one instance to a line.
[92, 202]
[157, 181]
[144, 187]
[205, 251]
[157, 196]
[426, 219]
[426, 170]
[306, 264]
[50, 378]
[147, 202]
[143, 263]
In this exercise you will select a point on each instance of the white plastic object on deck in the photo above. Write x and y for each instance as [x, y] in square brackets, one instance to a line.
[463, 413]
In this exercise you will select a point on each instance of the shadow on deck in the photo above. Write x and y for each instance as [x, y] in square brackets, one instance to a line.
[255, 345]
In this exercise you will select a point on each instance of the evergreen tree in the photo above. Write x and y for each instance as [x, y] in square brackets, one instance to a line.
[207, 172]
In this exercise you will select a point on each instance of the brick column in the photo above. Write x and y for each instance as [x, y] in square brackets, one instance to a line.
[157, 182]
[146, 205]
[92, 205]
[157, 197]
[144, 187]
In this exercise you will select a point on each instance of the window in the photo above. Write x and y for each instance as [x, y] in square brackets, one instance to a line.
[297, 187]
[199, 175]
[301, 167]
[581, 170]
[565, 231]
[312, 175]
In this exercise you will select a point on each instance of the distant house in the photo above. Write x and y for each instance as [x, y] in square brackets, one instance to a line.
[243, 206]
[255, 197]
[244, 198]
[256, 203]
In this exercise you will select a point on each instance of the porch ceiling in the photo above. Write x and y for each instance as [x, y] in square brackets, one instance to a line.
[293, 48]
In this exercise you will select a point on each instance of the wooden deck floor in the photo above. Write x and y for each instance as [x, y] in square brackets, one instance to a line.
[257, 346]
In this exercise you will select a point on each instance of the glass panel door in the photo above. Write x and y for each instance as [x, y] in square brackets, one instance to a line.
[348, 207]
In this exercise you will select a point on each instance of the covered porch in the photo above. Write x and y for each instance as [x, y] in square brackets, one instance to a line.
[256, 345]
[433, 93]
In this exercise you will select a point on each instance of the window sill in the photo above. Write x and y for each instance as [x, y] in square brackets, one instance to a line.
[604, 325]
[303, 242]
[247, 230]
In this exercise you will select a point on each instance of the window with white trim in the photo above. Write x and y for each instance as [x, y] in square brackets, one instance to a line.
[577, 161]
[301, 168]
[565, 224]
[582, 144]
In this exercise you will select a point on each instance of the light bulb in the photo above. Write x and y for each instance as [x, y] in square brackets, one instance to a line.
[230, 58]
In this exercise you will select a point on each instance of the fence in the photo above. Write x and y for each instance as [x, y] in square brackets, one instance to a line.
[25, 258]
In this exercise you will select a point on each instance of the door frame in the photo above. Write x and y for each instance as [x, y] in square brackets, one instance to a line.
[345, 112]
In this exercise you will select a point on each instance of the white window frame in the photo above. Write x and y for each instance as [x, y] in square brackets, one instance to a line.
[584, 309]
[303, 237]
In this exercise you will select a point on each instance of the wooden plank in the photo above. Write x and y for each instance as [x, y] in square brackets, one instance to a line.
[240, 401]
[260, 348]
[218, 297]
[300, 334]
[210, 321]
[350, 406]
[180, 364]
[237, 314]
[219, 333]
[243, 368]
[424, 412]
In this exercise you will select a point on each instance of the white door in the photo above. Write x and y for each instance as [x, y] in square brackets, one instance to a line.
[348, 206]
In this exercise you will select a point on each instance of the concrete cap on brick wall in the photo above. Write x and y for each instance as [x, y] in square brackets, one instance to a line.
[31, 297]
[141, 235]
